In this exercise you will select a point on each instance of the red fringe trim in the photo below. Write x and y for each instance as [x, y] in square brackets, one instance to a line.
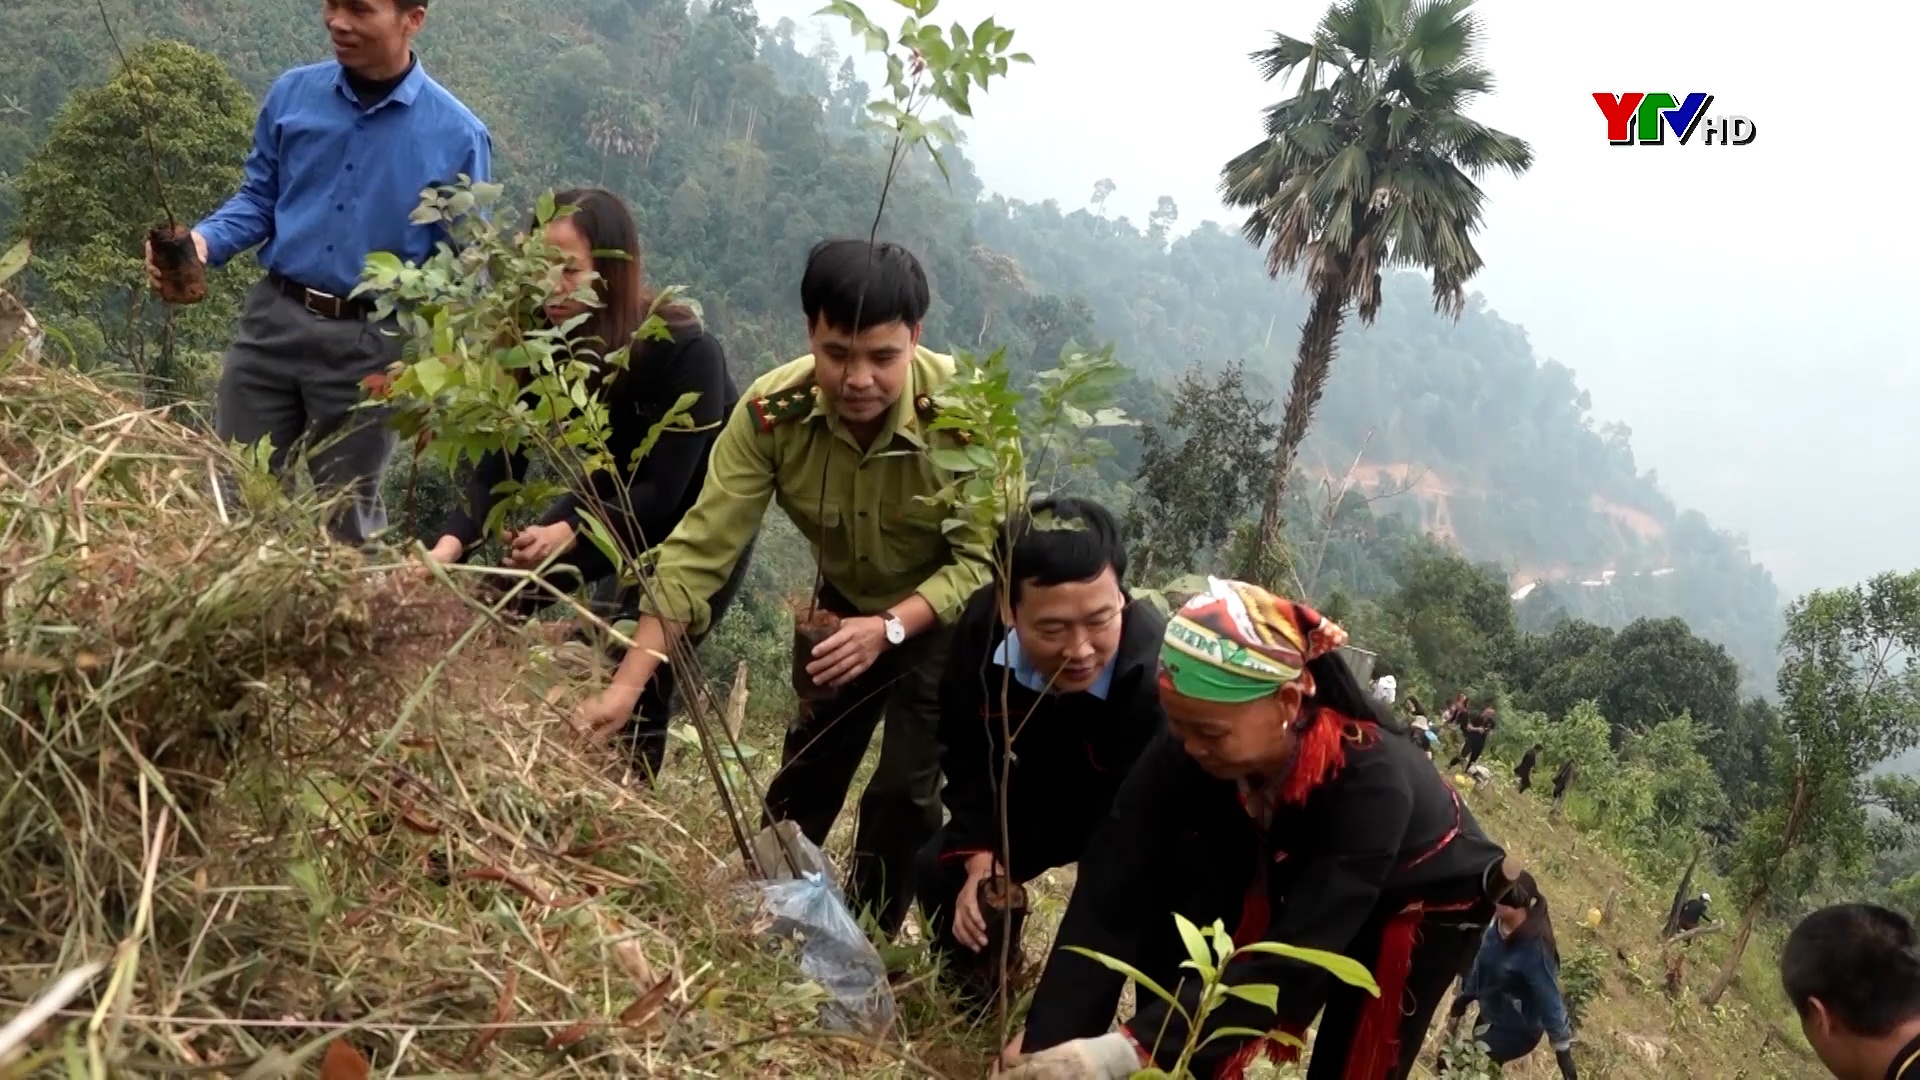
[1321, 757]
[1235, 1067]
[1375, 1051]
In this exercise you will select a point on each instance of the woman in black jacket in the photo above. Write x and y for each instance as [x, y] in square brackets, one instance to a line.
[639, 500]
[1283, 803]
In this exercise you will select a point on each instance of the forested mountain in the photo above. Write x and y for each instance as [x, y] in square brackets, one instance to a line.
[738, 149]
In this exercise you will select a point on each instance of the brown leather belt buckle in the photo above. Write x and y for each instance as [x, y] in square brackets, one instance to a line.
[325, 305]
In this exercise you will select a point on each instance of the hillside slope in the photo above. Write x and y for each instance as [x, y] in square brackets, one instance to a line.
[1632, 1027]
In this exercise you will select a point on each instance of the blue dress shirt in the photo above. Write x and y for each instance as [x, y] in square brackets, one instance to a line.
[328, 184]
[1030, 677]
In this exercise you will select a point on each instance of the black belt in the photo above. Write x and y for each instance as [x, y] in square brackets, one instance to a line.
[324, 304]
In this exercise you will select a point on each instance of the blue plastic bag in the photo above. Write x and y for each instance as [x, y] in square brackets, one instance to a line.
[834, 952]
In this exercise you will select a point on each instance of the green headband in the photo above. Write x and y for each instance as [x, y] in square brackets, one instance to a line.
[1209, 682]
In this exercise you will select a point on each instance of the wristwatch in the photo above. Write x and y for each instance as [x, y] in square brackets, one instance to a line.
[896, 630]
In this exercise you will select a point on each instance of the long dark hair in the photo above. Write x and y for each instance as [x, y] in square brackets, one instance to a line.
[1525, 893]
[1336, 688]
[604, 220]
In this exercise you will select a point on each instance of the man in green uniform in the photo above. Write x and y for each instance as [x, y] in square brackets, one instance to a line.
[839, 439]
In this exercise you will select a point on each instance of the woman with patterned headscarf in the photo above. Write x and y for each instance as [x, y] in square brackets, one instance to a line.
[1283, 803]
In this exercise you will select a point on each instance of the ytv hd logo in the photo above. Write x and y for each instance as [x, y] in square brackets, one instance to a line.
[1646, 118]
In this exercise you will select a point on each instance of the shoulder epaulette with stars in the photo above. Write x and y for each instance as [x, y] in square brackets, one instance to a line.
[923, 405]
[790, 404]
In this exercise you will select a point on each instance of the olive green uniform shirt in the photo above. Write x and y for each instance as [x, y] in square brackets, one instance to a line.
[877, 544]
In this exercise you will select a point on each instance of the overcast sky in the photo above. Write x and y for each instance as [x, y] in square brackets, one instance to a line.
[1748, 311]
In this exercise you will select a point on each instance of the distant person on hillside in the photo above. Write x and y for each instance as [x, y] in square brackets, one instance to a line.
[1524, 770]
[1852, 972]
[1515, 981]
[1693, 913]
[1476, 728]
[640, 501]
[340, 155]
[1071, 667]
[1422, 734]
[1563, 780]
[1384, 689]
[1456, 713]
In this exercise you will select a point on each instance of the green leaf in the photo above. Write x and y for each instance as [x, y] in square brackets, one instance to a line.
[1197, 952]
[1265, 995]
[603, 539]
[677, 417]
[1280, 1037]
[544, 209]
[15, 260]
[1124, 968]
[307, 876]
[385, 263]
[1346, 969]
[951, 459]
[432, 375]
[1222, 942]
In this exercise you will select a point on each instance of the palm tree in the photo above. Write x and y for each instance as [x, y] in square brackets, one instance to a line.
[1370, 164]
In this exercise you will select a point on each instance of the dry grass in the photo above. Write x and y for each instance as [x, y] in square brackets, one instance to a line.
[258, 797]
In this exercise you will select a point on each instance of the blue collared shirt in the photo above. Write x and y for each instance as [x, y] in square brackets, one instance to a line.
[326, 184]
[1031, 677]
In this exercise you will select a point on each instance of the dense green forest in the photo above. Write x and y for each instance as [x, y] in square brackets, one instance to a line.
[737, 145]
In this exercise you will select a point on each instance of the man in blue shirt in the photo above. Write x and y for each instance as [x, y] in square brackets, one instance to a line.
[1071, 668]
[341, 153]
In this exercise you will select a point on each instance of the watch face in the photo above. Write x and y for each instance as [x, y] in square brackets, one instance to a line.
[896, 631]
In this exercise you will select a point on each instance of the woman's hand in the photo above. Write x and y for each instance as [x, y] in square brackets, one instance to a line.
[535, 544]
[1008, 1056]
[447, 550]
[601, 718]
[1109, 1057]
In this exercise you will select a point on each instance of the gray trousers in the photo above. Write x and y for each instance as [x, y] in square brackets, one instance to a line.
[293, 378]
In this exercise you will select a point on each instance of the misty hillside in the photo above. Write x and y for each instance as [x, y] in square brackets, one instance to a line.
[738, 150]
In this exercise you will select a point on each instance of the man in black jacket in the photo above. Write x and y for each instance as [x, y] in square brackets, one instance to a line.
[1068, 667]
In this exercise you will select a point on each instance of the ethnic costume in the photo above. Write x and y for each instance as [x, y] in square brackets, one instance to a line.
[1359, 848]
